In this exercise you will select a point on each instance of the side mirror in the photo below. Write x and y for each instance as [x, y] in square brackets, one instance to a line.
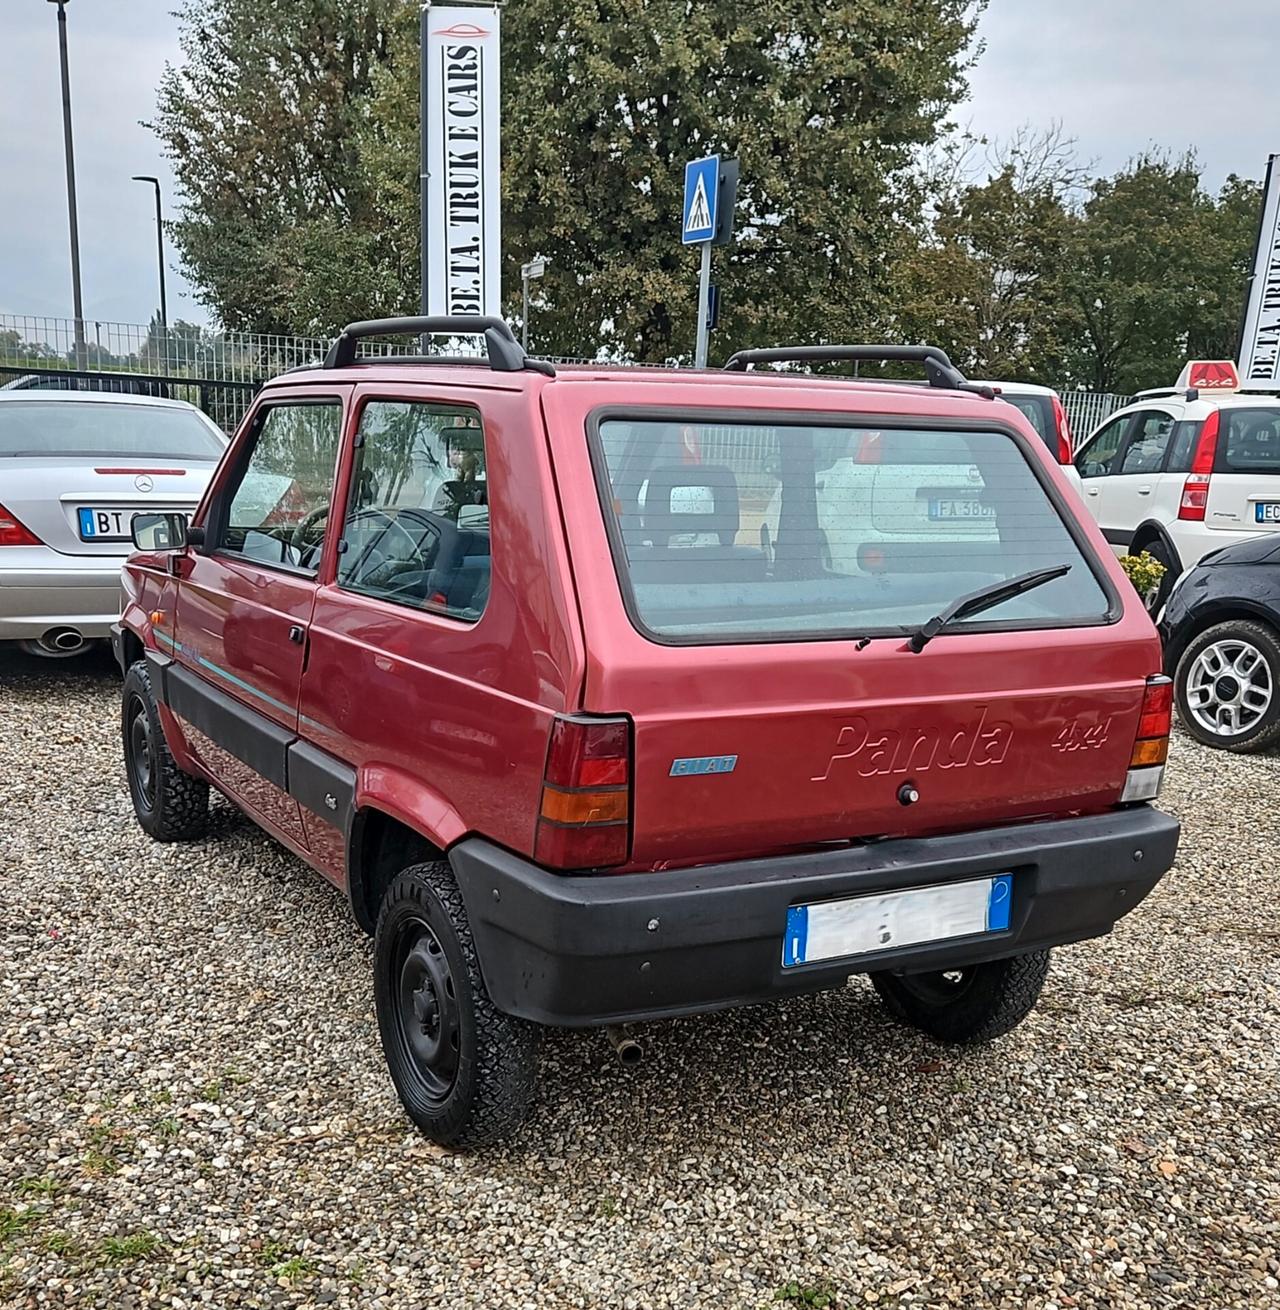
[160, 531]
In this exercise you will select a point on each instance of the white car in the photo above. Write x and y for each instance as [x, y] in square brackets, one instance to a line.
[75, 466]
[1042, 407]
[1181, 472]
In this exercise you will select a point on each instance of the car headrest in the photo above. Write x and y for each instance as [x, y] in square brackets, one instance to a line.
[691, 498]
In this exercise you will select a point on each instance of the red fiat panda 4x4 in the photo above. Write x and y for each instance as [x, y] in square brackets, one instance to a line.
[607, 694]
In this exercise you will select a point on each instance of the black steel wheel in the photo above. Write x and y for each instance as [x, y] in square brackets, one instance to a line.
[465, 1072]
[170, 805]
[970, 1005]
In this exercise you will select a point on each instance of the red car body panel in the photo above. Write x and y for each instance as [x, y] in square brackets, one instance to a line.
[446, 724]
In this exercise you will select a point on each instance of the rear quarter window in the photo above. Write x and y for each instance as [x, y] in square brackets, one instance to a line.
[761, 531]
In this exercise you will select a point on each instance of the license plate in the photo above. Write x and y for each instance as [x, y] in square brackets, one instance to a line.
[110, 524]
[866, 925]
[1267, 511]
[960, 508]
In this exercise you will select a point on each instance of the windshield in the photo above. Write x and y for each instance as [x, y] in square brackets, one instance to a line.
[104, 428]
[763, 532]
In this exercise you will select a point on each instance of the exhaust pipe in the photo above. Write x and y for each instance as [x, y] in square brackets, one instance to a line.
[63, 640]
[56, 643]
[628, 1050]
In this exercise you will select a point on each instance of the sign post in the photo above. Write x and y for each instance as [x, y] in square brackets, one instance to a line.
[701, 205]
[461, 196]
[1260, 337]
[535, 268]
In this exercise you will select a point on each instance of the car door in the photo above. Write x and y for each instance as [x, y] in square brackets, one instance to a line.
[1096, 463]
[1132, 490]
[246, 597]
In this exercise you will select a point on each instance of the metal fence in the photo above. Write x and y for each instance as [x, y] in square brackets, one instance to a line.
[220, 369]
[1086, 409]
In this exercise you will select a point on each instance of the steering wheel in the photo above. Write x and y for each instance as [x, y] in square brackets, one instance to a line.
[376, 567]
[298, 537]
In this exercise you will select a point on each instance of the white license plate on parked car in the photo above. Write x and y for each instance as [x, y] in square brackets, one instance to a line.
[865, 925]
[1267, 511]
[964, 507]
[110, 524]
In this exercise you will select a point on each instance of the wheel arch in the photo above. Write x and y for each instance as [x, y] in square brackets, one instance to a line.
[390, 829]
[1152, 531]
[1209, 617]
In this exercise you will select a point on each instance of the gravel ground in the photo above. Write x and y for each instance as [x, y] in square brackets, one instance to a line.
[194, 1109]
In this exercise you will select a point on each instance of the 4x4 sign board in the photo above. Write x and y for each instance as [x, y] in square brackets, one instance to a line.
[1260, 343]
[463, 200]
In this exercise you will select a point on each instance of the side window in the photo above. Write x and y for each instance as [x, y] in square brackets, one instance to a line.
[1185, 432]
[417, 527]
[277, 513]
[1148, 442]
[1098, 458]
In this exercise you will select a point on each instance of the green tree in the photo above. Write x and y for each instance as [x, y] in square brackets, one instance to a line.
[260, 124]
[1156, 268]
[293, 130]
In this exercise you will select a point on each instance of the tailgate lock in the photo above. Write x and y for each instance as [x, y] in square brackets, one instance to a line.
[908, 794]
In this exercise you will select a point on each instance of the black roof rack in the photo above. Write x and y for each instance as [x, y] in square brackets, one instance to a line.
[506, 354]
[938, 368]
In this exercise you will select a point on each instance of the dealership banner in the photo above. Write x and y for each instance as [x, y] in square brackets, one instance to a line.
[462, 209]
[1260, 343]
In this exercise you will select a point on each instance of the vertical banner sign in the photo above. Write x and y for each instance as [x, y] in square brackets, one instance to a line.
[462, 210]
[1260, 341]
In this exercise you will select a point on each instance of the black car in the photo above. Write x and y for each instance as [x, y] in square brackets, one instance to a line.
[1221, 631]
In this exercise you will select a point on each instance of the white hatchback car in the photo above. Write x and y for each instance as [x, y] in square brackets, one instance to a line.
[1182, 472]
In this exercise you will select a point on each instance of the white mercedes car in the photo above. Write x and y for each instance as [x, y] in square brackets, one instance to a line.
[75, 466]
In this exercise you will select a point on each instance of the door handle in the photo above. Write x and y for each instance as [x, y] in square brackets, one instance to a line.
[297, 634]
[1144, 491]
[1091, 491]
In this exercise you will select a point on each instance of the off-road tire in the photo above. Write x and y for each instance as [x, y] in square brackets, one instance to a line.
[173, 805]
[988, 1001]
[1266, 732]
[489, 1092]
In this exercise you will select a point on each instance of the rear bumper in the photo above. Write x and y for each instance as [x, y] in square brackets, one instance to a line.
[59, 591]
[581, 951]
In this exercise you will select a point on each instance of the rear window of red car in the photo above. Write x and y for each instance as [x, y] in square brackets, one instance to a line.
[760, 531]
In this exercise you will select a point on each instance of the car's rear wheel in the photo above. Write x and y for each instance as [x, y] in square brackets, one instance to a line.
[1156, 597]
[170, 805]
[1228, 686]
[966, 1006]
[464, 1071]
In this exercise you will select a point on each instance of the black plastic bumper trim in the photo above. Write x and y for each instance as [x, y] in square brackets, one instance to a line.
[582, 951]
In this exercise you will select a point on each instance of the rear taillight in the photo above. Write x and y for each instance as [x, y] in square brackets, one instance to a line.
[14, 533]
[1063, 430]
[1195, 490]
[585, 818]
[1151, 746]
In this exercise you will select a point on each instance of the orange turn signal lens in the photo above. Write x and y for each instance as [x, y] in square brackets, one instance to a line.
[1152, 751]
[576, 807]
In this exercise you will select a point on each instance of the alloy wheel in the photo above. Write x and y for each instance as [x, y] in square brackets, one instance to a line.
[1229, 687]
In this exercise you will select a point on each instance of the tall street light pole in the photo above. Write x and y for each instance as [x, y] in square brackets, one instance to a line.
[81, 351]
[155, 182]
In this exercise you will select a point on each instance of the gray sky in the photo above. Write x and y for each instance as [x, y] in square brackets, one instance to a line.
[1120, 75]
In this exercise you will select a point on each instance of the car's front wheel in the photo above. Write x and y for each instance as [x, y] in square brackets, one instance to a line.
[170, 805]
[1227, 686]
[966, 1006]
[464, 1070]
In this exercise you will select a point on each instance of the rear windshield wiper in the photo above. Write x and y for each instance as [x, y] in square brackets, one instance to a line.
[984, 598]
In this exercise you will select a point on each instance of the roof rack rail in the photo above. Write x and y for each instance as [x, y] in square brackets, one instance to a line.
[938, 368]
[506, 354]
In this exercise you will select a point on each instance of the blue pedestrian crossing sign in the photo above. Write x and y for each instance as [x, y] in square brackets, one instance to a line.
[701, 194]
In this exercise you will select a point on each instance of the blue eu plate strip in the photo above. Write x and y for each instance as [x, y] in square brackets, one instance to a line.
[999, 903]
[797, 937]
[86, 522]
